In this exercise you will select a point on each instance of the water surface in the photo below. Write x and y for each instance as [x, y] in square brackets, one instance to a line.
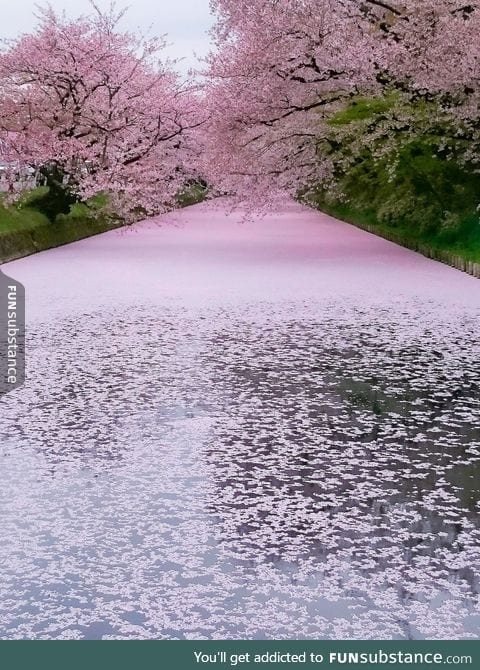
[243, 430]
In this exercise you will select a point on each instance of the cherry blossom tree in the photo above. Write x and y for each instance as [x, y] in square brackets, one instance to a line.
[283, 69]
[96, 109]
[279, 71]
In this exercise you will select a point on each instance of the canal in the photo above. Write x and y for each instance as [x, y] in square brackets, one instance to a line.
[247, 429]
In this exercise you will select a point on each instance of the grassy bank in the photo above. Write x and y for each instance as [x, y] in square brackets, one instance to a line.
[462, 254]
[25, 227]
[25, 230]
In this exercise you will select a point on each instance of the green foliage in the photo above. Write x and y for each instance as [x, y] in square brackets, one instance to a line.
[31, 198]
[360, 109]
[192, 194]
[19, 217]
[95, 209]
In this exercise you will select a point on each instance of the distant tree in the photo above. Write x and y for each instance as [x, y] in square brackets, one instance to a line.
[95, 109]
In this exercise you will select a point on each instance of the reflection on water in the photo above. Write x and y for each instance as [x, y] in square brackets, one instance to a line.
[292, 471]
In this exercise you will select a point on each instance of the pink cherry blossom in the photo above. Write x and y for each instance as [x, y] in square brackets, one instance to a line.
[100, 105]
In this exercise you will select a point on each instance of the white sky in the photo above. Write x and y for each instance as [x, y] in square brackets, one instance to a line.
[185, 22]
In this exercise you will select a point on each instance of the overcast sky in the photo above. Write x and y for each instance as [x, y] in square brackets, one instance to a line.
[186, 22]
